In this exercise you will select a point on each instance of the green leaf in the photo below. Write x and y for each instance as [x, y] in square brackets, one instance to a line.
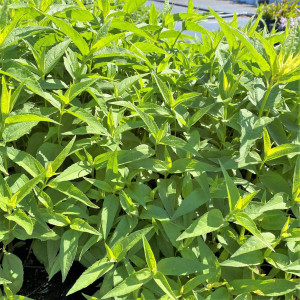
[164, 90]
[77, 170]
[68, 30]
[126, 83]
[242, 203]
[176, 142]
[83, 226]
[77, 88]
[150, 123]
[244, 260]
[105, 41]
[150, 48]
[191, 203]
[4, 100]
[54, 55]
[177, 266]
[90, 275]
[67, 251]
[130, 284]
[163, 283]
[4, 188]
[244, 220]
[86, 117]
[27, 118]
[108, 213]
[269, 287]
[211, 221]
[131, 27]
[24, 160]
[232, 190]
[24, 190]
[62, 156]
[13, 271]
[70, 190]
[282, 150]
[199, 114]
[132, 5]
[121, 248]
[267, 142]
[296, 180]
[251, 130]
[150, 258]
[22, 220]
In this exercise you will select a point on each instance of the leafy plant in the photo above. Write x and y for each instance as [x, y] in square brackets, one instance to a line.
[165, 165]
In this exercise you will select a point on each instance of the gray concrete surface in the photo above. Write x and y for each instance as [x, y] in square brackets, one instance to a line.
[225, 6]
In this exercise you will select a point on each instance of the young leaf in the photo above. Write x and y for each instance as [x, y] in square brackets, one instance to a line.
[22, 220]
[296, 180]
[232, 191]
[244, 220]
[5, 100]
[163, 283]
[242, 203]
[83, 226]
[267, 142]
[164, 90]
[282, 150]
[23, 191]
[150, 259]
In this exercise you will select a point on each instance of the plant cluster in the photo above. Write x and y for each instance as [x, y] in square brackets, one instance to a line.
[281, 12]
[167, 166]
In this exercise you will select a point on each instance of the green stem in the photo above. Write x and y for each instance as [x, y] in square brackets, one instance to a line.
[59, 126]
[267, 94]
[179, 34]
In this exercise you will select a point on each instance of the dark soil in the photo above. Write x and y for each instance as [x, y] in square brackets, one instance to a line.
[36, 285]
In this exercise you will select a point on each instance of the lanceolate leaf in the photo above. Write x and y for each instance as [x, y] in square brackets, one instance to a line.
[130, 284]
[68, 249]
[282, 150]
[162, 282]
[68, 30]
[62, 156]
[91, 274]
[244, 220]
[180, 266]
[24, 160]
[27, 118]
[232, 191]
[70, 190]
[209, 222]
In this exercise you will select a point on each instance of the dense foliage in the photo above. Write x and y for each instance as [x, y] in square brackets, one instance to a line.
[165, 165]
